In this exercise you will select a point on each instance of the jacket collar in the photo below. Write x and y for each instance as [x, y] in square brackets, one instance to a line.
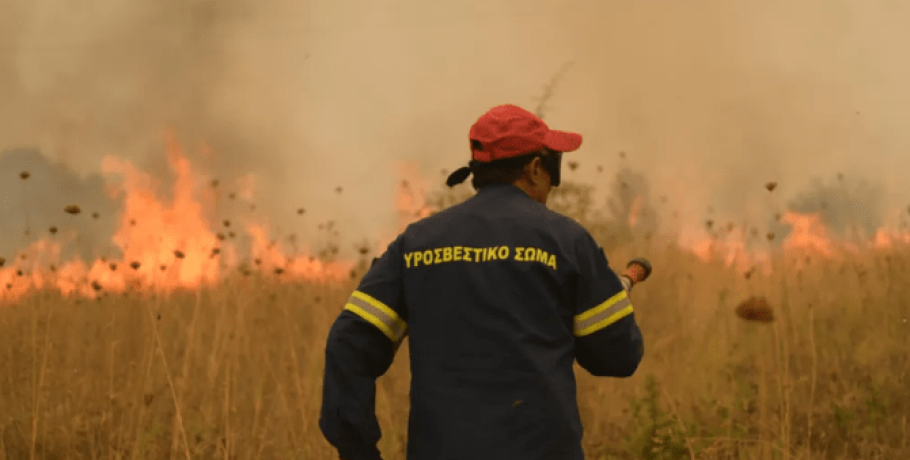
[502, 190]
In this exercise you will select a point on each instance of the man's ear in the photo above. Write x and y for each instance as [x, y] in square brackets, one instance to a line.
[534, 167]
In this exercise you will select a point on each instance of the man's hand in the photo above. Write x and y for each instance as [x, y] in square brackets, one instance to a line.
[637, 270]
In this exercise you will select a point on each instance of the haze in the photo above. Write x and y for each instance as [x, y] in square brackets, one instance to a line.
[710, 98]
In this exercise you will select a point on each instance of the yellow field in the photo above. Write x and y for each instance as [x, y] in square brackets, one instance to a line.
[234, 372]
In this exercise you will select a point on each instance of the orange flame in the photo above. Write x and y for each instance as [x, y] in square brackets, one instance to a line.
[150, 230]
[172, 245]
[888, 238]
[809, 234]
[732, 250]
[165, 245]
[411, 192]
[409, 199]
[271, 258]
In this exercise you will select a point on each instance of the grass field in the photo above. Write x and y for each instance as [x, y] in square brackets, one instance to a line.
[234, 371]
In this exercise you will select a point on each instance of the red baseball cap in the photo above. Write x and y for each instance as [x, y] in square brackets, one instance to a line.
[508, 131]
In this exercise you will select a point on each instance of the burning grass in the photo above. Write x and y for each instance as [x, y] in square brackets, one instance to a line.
[235, 369]
[798, 354]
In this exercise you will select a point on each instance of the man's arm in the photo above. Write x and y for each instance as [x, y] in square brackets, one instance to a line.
[360, 348]
[608, 342]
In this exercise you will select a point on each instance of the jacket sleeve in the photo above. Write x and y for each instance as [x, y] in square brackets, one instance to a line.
[608, 342]
[360, 348]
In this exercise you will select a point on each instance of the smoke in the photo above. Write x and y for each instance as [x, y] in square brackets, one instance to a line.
[31, 207]
[111, 77]
[849, 207]
[713, 99]
[710, 99]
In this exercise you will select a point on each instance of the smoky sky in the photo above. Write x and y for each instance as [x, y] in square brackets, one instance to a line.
[32, 206]
[709, 99]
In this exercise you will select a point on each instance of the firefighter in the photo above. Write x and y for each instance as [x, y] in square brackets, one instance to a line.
[499, 296]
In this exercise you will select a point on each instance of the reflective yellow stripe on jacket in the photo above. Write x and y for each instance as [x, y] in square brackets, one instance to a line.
[603, 315]
[378, 314]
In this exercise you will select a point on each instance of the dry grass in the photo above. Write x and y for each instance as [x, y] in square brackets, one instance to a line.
[234, 372]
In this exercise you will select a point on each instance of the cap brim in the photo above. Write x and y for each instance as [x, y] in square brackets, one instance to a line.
[562, 141]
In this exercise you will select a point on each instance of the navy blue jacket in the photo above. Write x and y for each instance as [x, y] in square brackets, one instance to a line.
[499, 296]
